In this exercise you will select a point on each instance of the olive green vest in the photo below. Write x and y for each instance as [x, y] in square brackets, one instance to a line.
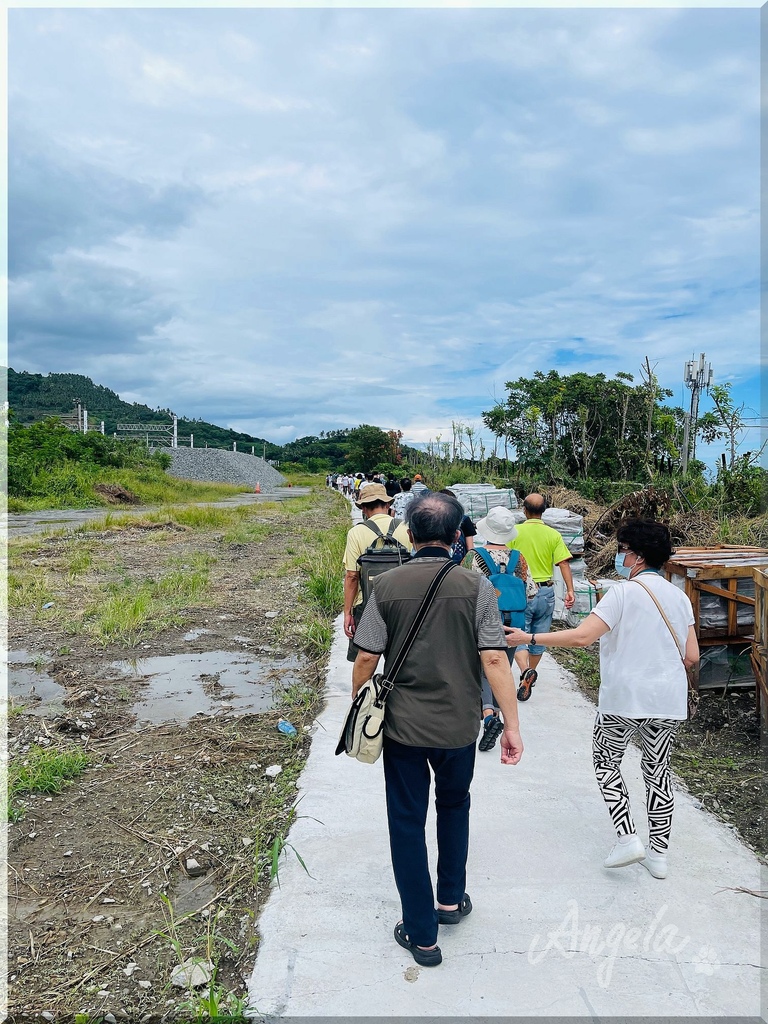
[436, 700]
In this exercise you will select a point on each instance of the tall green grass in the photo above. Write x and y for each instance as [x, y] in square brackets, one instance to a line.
[71, 485]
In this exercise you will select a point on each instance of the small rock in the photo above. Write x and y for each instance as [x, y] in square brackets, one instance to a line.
[32, 835]
[67, 854]
[273, 771]
[267, 615]
[102, 994]
[246, 841]
[110, 1018]
[192, 974]
[47, 605]
[109, 898]
[46, 1014]
[145, 984]
[99, 917]
[129, 969]
[194, 868]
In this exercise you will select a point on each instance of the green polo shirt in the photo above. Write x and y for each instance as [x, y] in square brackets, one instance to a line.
[541, 547]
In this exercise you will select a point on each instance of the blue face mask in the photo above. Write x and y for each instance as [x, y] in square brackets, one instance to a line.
[618, 564]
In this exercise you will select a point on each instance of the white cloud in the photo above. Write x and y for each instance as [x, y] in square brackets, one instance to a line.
[462, 196]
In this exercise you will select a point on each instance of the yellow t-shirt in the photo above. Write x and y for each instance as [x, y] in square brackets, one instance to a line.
[360, 538]
[541, 547]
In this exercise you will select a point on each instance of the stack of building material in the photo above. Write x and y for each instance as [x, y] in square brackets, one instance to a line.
[479, 499]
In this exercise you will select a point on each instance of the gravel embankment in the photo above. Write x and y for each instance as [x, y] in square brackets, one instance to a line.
[214, 465]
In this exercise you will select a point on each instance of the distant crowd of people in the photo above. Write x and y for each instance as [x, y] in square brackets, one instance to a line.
[492, 617]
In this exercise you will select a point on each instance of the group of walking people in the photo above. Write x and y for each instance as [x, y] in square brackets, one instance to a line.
[457, 679]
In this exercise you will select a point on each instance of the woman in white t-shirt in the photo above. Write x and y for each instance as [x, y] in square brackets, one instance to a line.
[643, 685]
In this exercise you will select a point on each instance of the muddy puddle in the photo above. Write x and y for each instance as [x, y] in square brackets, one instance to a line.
[30, 685]
[180, 686]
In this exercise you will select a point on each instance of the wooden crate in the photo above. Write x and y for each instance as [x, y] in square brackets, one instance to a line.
[759, 653]
[718, 570]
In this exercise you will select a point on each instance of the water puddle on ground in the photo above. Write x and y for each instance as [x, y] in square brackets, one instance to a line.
[31, 686]
[180, 686]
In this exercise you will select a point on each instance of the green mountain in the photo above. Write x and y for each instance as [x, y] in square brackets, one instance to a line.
[34, 396]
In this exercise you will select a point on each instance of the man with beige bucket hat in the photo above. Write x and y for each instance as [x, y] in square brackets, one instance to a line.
[373, 501]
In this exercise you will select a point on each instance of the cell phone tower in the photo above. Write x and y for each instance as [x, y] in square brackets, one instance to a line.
[697, 376]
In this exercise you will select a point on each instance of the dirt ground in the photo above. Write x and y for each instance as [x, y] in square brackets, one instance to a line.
[163, 849]
[717, 754]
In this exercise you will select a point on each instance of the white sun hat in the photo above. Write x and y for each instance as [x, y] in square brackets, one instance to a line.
[498, 527]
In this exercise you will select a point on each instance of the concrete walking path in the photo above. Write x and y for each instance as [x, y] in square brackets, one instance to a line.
[552, 934]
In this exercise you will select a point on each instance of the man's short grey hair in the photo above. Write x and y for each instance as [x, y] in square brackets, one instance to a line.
[434, 517]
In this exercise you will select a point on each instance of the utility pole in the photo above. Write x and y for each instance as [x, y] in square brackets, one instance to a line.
[697, 377]
[175, 441]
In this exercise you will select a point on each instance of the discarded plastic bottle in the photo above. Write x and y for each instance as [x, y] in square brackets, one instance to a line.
[286, 727]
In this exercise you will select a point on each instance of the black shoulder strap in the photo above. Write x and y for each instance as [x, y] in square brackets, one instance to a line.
[421, 614]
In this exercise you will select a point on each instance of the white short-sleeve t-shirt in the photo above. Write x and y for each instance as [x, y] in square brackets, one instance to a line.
[641, 671]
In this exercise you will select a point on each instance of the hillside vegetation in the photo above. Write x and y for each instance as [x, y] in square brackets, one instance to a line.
[33, 397]
[50, 466]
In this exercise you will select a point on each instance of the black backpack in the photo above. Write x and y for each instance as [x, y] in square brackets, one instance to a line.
[384, 553]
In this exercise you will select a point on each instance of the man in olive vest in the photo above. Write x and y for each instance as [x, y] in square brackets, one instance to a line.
[432, 714]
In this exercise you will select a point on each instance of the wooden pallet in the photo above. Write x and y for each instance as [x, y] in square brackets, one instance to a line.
[718, 570]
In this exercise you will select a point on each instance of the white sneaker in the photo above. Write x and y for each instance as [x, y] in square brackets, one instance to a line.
[625, 853]
[656, 865]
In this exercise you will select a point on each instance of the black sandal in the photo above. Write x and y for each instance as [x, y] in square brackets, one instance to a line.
[454, 916]
[424, 957]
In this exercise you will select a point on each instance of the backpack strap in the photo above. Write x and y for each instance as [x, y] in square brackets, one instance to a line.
[486, 558]
[512, 561]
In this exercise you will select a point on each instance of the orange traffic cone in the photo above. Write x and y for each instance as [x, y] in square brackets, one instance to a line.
[257, 488]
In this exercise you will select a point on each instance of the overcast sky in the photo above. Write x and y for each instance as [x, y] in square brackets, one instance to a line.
[294, 221]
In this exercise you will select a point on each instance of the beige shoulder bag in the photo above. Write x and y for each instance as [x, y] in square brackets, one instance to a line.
[693, 693]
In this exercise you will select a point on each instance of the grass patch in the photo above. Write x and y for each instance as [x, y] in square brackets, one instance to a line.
[585, 664]
[71, 485]
[79, 562]
[28, 589]
[247, 533]
[131, 610]
[43, 771]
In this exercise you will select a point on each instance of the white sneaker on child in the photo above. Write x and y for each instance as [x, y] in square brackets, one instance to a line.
[629, 852]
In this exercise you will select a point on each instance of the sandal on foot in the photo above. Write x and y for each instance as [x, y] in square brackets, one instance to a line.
[425, 957]
[454, 916]
[492, 729]
[527, 682]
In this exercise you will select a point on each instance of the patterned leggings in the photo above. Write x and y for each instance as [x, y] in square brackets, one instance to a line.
[610, 739]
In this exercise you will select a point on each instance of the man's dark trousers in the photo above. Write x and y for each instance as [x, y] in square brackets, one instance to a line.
[407, 779]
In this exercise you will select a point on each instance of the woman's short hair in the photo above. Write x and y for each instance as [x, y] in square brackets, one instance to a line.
[647, 538]
[434, 517]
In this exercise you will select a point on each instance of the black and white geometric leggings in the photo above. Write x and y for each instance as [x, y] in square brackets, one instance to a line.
[610, 739]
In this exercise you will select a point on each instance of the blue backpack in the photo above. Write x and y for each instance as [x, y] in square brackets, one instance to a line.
[510, 589]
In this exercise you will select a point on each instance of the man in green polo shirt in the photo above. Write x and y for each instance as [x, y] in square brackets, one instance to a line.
[543, 548]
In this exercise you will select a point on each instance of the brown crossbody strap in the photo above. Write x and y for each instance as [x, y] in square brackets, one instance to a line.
[669, 624]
